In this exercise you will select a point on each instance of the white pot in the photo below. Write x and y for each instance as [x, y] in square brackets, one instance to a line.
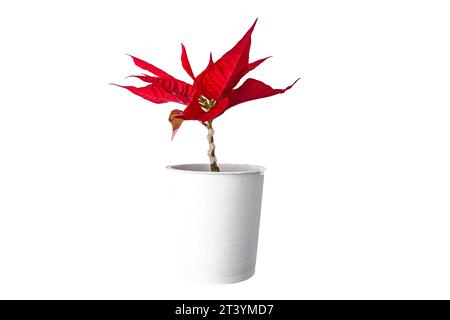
[217, 216]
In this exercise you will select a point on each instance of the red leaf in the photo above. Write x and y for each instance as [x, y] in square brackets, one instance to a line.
[253, 89]
[150, 68]
[211, 61]
[185, 62]
[183, 90]
[254, 64]
[153, 93]
[218, 79]
[175, 120]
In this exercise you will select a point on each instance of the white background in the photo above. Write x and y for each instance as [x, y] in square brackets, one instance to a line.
[356, 201]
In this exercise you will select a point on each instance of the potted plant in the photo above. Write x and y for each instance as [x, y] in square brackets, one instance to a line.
[217, 205]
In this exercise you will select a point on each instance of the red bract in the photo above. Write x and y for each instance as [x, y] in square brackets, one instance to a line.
[212, 91]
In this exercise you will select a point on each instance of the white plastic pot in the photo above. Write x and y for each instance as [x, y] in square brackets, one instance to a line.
[217, 216]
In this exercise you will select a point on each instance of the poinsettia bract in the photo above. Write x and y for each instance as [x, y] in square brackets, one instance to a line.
[212, 91]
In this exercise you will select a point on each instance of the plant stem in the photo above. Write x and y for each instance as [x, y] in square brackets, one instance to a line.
[212, 148]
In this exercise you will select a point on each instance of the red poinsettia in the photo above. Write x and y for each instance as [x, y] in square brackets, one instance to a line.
[212, 91]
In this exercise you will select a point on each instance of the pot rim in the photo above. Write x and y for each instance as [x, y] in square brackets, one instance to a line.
[229, 169]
